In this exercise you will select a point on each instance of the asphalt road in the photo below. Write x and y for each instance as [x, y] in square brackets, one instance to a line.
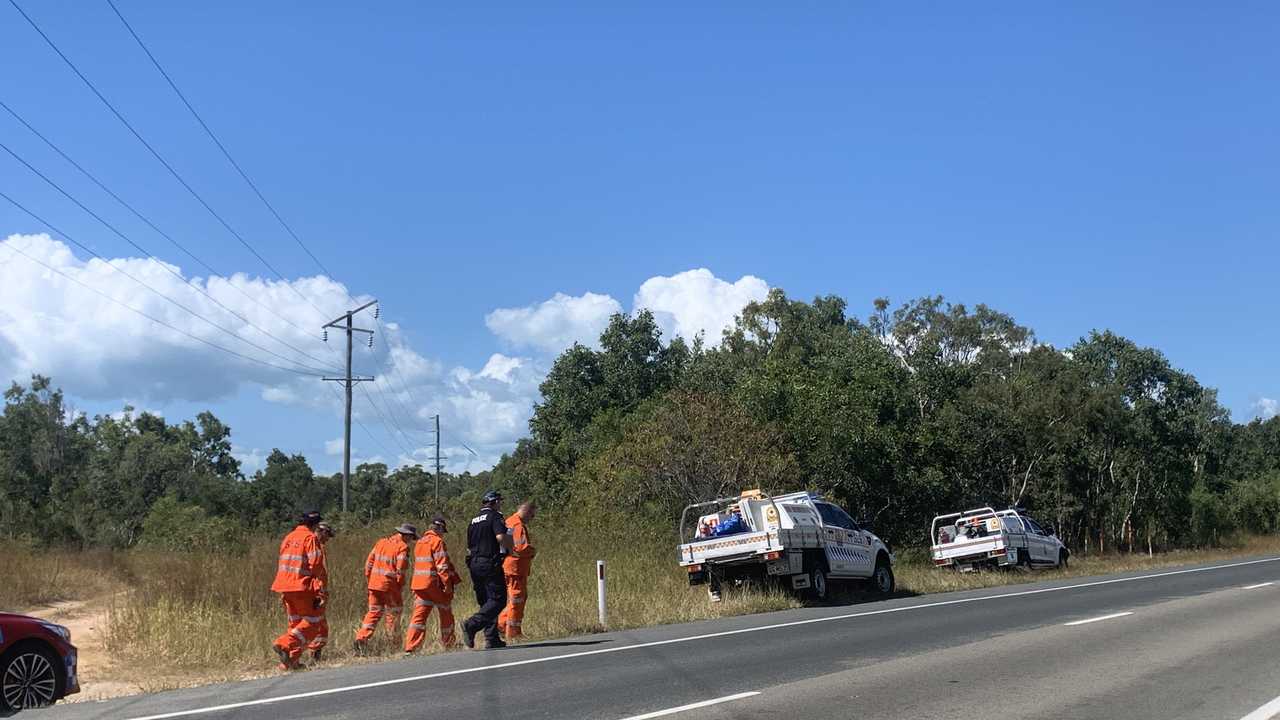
[1200, 642]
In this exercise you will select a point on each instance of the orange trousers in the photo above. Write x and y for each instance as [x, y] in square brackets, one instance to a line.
[383, 604]
[423, 602]
[512, 615]
[304, 622]
[322, 633]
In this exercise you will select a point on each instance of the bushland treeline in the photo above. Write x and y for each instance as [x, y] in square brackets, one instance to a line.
[913, 410]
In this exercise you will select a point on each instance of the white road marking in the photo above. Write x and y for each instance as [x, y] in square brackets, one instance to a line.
[1255, 587]
[691, 706]
[690, 638]
[1097, 619]
[1266, 712]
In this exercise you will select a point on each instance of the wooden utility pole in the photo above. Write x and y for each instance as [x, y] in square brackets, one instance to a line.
[437, 460]
[344, 323]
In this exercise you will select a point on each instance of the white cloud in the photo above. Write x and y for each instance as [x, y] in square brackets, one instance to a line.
[696, 301]
[100, 350]
[1266, 408]
[104, 350]
[251, 461]
[555, 324]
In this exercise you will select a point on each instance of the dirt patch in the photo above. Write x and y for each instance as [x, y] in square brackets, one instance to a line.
[100, 676]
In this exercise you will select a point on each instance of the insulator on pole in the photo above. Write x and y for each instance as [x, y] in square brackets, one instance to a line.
[370, 339]
[326, 336]
[377, 311]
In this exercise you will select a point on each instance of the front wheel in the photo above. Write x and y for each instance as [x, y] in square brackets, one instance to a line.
[1062, 559]
[29, 678]
[882, 580]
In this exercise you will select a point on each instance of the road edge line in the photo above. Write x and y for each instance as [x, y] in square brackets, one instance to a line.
[692, 706]
[690, 638]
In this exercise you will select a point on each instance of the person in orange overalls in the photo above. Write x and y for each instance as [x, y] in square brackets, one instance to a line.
[516, 567]
[385, 569]
[434, 578]
[324, 533]
[301, 589]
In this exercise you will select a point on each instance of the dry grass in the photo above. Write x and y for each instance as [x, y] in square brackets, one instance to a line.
[37, 576]
[194, 618]
[918, 576]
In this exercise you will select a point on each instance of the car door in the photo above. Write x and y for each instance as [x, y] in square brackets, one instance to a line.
[836, 539]
[1037, 541]
[1018, 536]
[860, 559]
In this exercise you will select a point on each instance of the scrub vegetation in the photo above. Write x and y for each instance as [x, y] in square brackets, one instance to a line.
[907, 412]
[179, 619]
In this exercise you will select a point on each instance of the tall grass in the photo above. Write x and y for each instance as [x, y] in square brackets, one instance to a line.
[215, 615]
[31, 576]
[200, 617]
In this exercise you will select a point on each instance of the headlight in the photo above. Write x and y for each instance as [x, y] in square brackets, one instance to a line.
[58, 630]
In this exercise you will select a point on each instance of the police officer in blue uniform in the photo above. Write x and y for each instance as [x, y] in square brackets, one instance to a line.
[488, 540]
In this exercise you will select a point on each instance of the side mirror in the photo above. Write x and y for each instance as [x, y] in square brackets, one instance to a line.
[1049, 531]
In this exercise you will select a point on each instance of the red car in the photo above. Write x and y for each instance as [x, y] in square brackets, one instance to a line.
[37, 663]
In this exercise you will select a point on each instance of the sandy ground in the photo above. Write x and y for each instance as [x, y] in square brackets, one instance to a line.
[87, 619]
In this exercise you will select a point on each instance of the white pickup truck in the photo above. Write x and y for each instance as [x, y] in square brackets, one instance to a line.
[984, 537]
[798, 539]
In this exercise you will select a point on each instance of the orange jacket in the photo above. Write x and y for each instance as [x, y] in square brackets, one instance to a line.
[386, 564]
[300, 557]
[432, 568]
[322, 568]
[521, 557]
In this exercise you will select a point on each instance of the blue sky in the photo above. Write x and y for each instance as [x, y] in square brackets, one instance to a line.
[1084, 167]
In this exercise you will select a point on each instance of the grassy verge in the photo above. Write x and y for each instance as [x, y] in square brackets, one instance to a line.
[32, 576]
[916, 575]
[196, 618]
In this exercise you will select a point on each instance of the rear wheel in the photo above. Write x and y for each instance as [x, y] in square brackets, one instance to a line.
[818, 589]
[816, 569]
[29, 677]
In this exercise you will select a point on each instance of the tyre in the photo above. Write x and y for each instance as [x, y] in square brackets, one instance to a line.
[882, 580]
[1062, 559]
[819, 590]
[30, 677]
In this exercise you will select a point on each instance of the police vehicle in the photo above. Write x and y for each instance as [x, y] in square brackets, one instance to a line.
[984, 537]
[799, 540]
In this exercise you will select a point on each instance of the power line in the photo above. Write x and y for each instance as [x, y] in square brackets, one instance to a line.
[166, 298]
[138, 214]
[262, 197]
[253, 186]
[395, 369]
[216, 141]
[152, 318]
[156, 154]
[378, 411]
[168, 269]
[362, 426]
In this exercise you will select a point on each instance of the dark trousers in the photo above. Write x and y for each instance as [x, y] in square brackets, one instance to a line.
[491, 595]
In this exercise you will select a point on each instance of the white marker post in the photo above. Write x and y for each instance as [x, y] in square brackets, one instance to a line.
[600, 592]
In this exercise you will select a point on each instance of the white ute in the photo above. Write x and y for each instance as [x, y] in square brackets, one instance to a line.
[984, 537]
[798, 539]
